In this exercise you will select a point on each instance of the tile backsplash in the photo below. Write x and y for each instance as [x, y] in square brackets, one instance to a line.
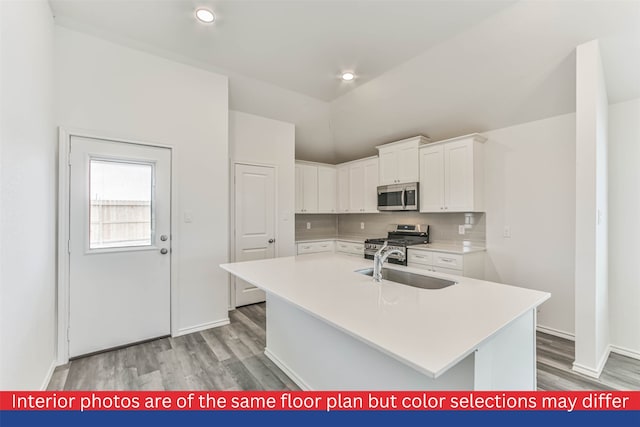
[443, 227]
[322, 225]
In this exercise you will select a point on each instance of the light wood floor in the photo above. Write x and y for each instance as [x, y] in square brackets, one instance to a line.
[555, 357]
[231, 358]
[226, 358]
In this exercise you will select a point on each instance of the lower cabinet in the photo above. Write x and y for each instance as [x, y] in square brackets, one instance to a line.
[339, 246]
[316, 247]
[350, 248]
[467, 265]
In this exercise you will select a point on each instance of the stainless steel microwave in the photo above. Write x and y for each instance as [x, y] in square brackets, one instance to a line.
[398, 197]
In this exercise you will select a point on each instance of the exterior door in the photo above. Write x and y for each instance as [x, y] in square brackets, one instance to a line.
[120, 246]
[255, 223]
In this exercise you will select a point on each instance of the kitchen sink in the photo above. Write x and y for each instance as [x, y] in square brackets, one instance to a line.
[410, 279]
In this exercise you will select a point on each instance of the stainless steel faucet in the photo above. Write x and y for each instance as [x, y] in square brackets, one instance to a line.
[379, 259]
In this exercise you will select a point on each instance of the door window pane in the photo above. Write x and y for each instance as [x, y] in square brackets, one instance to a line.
[121, 197]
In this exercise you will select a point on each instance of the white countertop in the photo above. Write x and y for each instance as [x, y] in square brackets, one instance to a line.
[353, 239]
[449, 248]
[430, 330]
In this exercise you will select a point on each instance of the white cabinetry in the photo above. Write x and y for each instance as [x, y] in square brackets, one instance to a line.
[340, 246]
[343, 188]
[357, 186]
[399, 161]
[451, 175]
[468, 265]
[327, 189]
[315, 188]
[350, 248]
[316, 247]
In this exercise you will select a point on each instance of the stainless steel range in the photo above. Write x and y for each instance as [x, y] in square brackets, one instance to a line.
[401, 236]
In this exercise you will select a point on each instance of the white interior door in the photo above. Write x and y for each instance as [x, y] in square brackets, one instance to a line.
[120, 247]
[255, 201]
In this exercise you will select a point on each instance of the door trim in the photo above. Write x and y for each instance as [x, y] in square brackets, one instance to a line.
[232, 219]
[64, 169]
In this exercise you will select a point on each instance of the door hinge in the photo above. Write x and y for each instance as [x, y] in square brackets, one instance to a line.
[68, 334]
[69, 245]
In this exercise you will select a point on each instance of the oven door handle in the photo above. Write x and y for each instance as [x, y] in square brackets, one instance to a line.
[404, 205]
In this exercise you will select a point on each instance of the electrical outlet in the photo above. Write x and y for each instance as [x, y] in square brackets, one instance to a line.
[188, 216]
[362, 226]
[461, 229]
[506, 232]
[308, 226]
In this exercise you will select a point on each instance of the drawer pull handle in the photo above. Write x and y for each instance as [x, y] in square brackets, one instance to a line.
[448, 259]
[419, 256]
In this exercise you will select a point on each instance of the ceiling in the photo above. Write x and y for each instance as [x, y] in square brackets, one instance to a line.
[440, 68]
[302, 46]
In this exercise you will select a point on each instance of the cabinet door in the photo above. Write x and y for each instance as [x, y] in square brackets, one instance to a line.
[356, 187]
[408, 164]
[432, 179]
[388, 166]
[370, 186]
[343, 189]
[326, 189]
[458, 180]
[299, 189]
[309, 188]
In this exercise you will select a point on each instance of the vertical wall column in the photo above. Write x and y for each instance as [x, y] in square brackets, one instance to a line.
[591, 283]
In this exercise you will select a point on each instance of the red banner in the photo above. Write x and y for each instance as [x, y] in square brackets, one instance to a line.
[319, 401]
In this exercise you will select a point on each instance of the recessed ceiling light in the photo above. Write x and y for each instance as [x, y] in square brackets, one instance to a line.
[205, 15]
[348, 76]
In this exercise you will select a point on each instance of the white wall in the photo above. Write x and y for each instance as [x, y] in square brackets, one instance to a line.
[311, 116]
[28, 195]
[260, 140]
[313, 136]
[592, 305]
[106, 87]
[530, 186]
[624, 226]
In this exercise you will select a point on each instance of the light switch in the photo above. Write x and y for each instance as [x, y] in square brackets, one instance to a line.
[308, 226]
[461, 229]
[506, 232]
[188, 216]
[362, 226]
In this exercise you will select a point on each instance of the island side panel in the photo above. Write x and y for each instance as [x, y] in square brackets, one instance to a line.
[318, 356]
[507, 360]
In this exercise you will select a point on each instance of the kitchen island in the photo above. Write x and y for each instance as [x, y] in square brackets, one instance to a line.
[332, 328]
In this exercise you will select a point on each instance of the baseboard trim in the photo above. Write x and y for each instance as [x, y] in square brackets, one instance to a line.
[284, 368]
[47, 378]
[625, 352]
[555, 332]
[590, 372]
[202, 327]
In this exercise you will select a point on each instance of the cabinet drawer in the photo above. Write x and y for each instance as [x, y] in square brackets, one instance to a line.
[447, 261]
[420, 257]
[447, 270]
[315, 247]
[350, 248]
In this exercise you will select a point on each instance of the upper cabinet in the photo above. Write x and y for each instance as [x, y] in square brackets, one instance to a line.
[398, 161]
[315, 188]
[343, 188]
[357, 186]
[452, 175]
[327, 182]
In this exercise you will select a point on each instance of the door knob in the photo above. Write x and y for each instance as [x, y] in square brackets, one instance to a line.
[272, 240]
[164, 251]
[164, 237]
